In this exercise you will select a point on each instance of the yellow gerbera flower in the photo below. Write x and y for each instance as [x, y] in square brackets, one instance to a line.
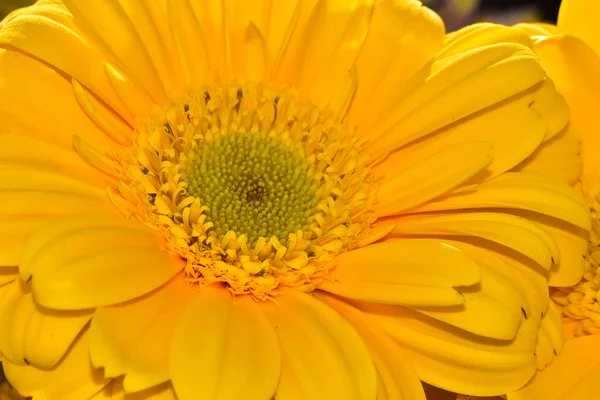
[299, 199]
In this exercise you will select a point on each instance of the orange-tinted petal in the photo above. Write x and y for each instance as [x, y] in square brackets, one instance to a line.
[323, 357]
[396, 272]
[35, 335]
[91, 260]
[573, 375]
[133, 339]
[73, 378]
[224, 348]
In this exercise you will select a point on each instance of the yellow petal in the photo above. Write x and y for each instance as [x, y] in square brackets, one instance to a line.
[403, 37]
[482, 34]
[497, 306]
[550, 338]
[54, 97]
[59, 44]
[521, 191]
[35, 335]
[417, 185]
[133, 339]
[248, 20]
[395, 272]
[504, 70]
[577, 18]
[147, 24]
[575, 69]
[558, 158]
[190, 43]
[305, 328]
[572, 376]
[224, 348]
[121, 41]
[114, 391]
[332, 40]
[14, 233]
[73, 378]
[456, 360]
[397, 379]
[90, 260]
[573, 244]
[511, 231]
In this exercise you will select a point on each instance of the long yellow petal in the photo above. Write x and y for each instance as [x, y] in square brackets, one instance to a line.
[397, 379]
[305, 328]
[511, 69]
[396, 272]
[122, 41]
[521, 191]
[403, 37]
[511, 231]
[224, 349]
[416, 184]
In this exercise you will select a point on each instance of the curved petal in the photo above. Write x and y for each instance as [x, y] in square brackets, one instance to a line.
[35, 335]
[396, 272]
[73, 378]
[456, 360]
[575, 69]
[224, 348]
[504, 70]
[577, 18]
[133, 338]
[572, 376]
[482, 34]
[403, 38]
[521, 191]
[90, 260]
[514, 232]
[307, 328]
[397, 379]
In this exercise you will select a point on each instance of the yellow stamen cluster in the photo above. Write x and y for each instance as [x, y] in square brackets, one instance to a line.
[581, 303]
[251, 186]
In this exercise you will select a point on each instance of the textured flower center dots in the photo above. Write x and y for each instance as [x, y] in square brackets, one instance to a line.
[253, 185]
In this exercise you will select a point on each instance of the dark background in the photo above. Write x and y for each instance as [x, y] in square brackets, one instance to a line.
[548, 8]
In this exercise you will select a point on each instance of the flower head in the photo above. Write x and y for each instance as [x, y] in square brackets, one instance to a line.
[299, 199]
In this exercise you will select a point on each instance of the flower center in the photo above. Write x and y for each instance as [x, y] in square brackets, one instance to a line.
[251, 186]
